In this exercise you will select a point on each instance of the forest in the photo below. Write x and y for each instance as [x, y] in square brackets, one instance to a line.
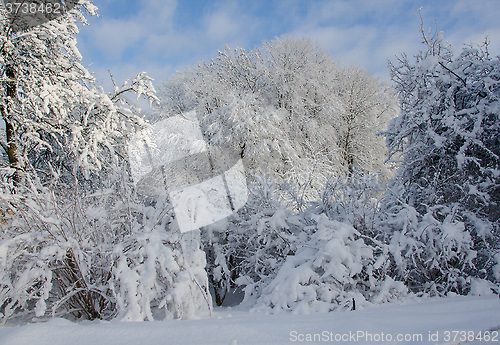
[358, 192]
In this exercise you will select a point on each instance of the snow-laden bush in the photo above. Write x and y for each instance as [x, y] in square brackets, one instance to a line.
[159, 274]
[431, 256]
[95, 255]
[333, 269]
[248, 249]
[53, 259]
[354, 198]
[302, 261]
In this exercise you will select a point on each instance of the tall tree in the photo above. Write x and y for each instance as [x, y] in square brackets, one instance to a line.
[367, 106]
[49, 101]
[447, 136]
[81, 241]
[288, 108]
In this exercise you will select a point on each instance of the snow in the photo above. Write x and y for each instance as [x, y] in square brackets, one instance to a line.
[411, 317]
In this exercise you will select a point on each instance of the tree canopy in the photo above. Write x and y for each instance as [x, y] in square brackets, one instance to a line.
[288, 108]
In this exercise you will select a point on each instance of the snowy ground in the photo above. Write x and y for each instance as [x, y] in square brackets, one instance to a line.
[422, 320]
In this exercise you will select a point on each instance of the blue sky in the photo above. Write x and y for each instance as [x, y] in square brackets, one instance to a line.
[162, 36]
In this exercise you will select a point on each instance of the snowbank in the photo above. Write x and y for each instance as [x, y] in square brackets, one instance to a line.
[415, 318]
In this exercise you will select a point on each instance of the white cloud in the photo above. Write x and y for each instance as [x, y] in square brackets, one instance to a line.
[221, 25]
[364, 32]
[113, 37]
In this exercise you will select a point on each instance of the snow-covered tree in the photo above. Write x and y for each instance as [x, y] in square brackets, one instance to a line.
[367, 106]
[79, 241]
[41, 78]
[446, 190]
[49, 101]
[285, 108]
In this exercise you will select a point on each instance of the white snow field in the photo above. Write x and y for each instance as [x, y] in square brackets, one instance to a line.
[448, 320]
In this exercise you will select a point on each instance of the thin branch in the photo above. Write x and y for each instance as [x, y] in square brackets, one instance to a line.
[456, 75]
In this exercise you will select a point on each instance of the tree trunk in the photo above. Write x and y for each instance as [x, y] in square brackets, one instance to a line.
[348, 155]
[10, 130]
